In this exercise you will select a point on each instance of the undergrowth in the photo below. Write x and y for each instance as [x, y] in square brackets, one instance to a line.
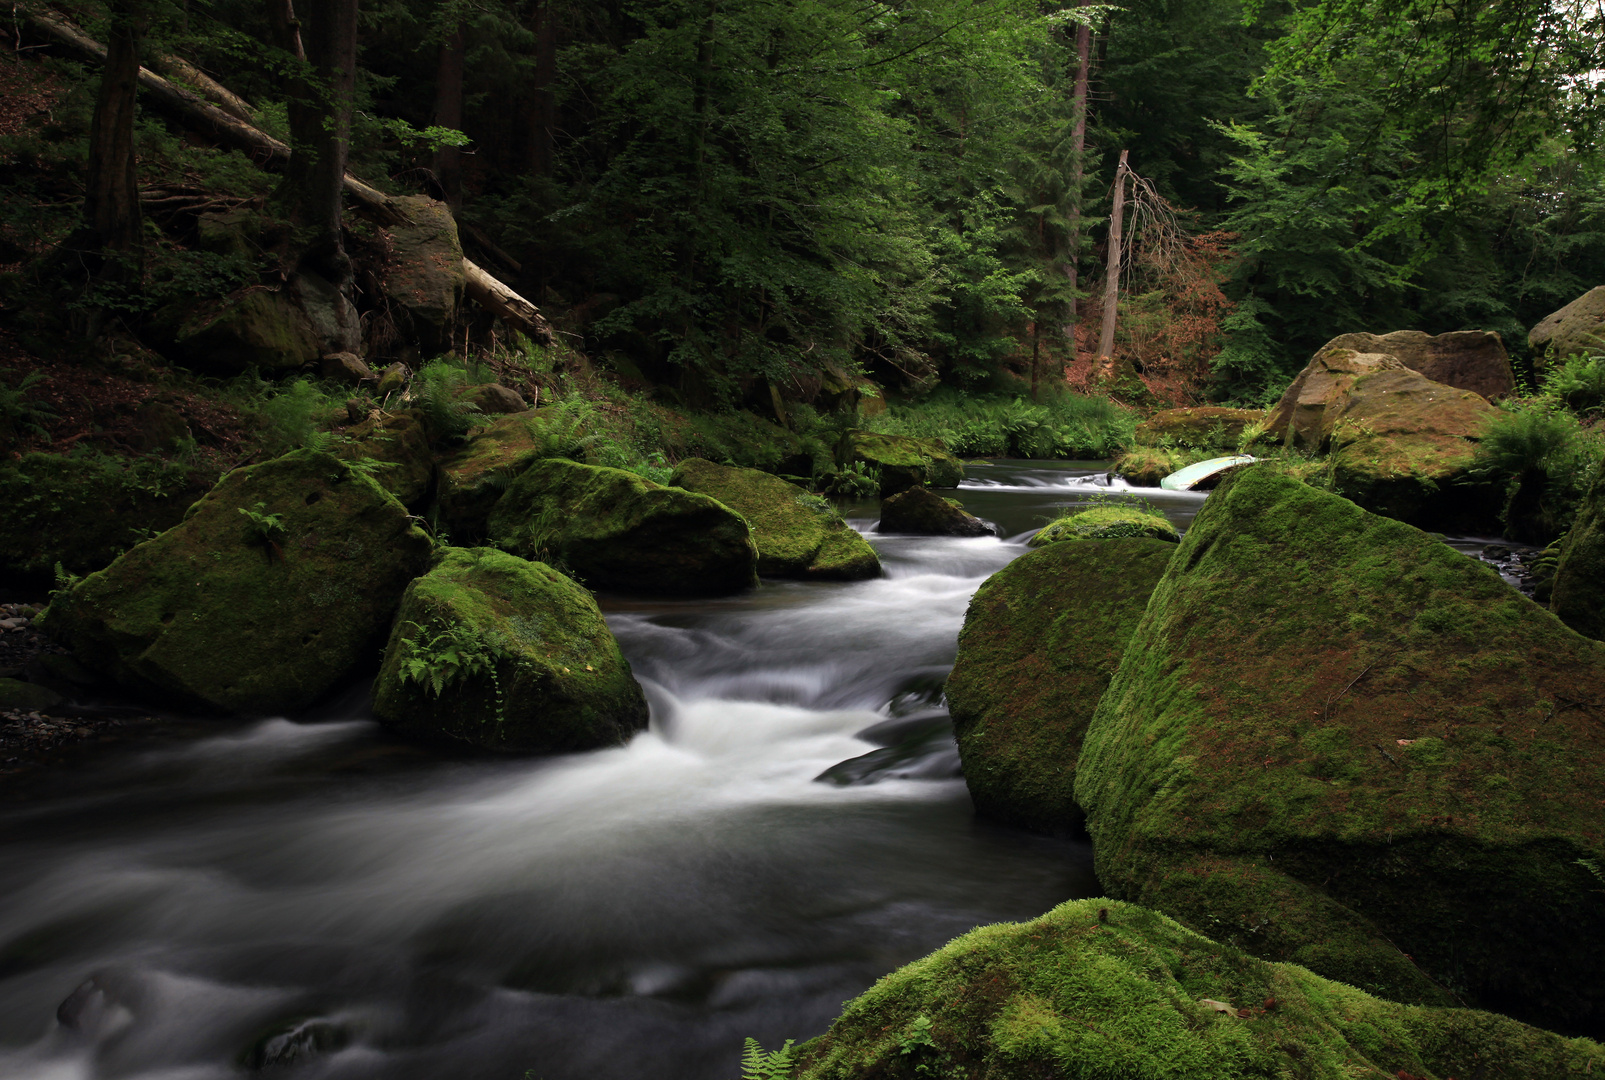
[1064, 425]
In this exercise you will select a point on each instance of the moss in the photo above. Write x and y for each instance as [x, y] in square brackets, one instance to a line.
[554, 678]
[798, 535]
[1104, 990]
[616, 530]
[26, 696]
[903, 462]
[400, 444]
[1108, 522]
[221, 613]
[1041, 641]
[1286, 613]
[84, 510]
[1207, 427]
[474, 477]
[1578, 592]
[742, 439]
[1145, 466]
[920, 510]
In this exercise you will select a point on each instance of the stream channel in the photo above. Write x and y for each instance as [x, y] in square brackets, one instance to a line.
[311, 899]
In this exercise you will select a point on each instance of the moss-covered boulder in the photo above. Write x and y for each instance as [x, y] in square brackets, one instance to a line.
[1203, 426]
[1309, 406]
[1041, 640]
[616, 530]
[506, 654]
[394, 447]
[425, 277]
[26, 696]
[1473, 360]
[1335, 740]
[799, 535]
[278, 583]
[475, 475]
[1108, 522]
[1402, 445]
[84, 510]
[1578, 592]
[282, 328]
[921, 511]
[902, 462]
[1579, 327]
[1146, 466]
[1103, 990]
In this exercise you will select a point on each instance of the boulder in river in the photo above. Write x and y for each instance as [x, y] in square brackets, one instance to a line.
[1335, 740]
[615, 530]
[1473, 360]
[1103, 990]
[278, 583]
[1041, 640]
[1110, 521]
[1579, 327]
[922, 511]
[506, 654]
[903, 462]
[1208, 426]
[799, 535]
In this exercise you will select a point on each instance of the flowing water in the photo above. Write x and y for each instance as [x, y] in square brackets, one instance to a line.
[312, 899]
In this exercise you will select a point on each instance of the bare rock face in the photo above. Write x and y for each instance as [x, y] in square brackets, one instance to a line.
[1310, 405]
[1577, 327]
[1473, 360]
[427, 277]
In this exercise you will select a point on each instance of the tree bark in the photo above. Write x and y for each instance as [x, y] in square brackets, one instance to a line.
[1078, 148]
[320, 134]
[449, 114]
[286, 27]
[543, 111]
[112, 216]
[176, 67]
[1111, 286]
[514, 310]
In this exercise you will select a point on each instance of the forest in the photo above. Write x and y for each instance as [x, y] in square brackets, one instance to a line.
[823, 539]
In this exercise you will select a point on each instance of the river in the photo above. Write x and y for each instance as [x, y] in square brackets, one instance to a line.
[317, 900]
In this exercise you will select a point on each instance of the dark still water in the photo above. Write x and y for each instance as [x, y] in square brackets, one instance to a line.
[316, 901]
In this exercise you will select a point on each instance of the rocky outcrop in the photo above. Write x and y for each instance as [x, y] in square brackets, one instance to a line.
[425, 277]
[1335, 740]
[493, 399]
[1202, 426]
[1110, 522]
[394, 448]
[278, 582]
[1578, 592]
[271, 328]
[475, 475]
[902, 462]
[1579, 327]
[505, 654]
[1041, 640]
[1473, 360]
[799, 535]
[922, 511]
[1104, 990]
[615, 530]
[1308, 408]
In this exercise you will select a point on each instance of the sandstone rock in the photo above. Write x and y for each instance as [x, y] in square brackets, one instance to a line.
[347, 368]
[903, 462]
[1578, 592]
[1305, 415]
[1335, 740]
[1041, 640]
[798, 535]
[1473, 360]
[277, 583]
[399, 445]
[162, 428]
[475, 475]
[495, 400]
[615, 530]
[1579, 327]
[920, 510]
[393, 381]
[425, 278]
[275, 329]
[1201, 426]
[26, 696]
[509, 655]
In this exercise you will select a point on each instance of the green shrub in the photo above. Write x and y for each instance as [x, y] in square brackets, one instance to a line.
[293, 417]
[1544, 459]
[1064, 425]
[435, 391]
[1577, 382]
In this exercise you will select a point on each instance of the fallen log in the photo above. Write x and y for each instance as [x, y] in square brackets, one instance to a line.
[193, 111]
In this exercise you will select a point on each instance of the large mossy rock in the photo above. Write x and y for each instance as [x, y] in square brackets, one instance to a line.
[475, 475]
[277, 329]
[1402, 445]
[1305, 414]
[1473, 360]
[903, 462]
[1579, 327]
[84, 511]
[798, 535]
[921, 511]
[425, 277]
[1335, 740]
[1578, 592]
[616, 530]
[1200, 426]
[395, 446]
[1041, 640]
[1109, 522]
[260, 615]
[506, 654]
[1102, 990]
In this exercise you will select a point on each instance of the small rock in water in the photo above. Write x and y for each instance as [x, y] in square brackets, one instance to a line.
[297, 1043]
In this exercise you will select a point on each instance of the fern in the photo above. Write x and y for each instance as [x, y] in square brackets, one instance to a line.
[756, 1064]
[435, 392]
[18, 413]
[455, 653]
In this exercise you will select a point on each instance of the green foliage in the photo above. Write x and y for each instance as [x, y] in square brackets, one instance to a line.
[18, 414]
[1577, 382]
[436, 391]
[1065, 426]
[293, 417]
[758, 1064]
[435, 662]
[262, 527]
[855, 480]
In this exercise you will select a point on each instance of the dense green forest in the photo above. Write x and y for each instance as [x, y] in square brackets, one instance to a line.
[717, 196]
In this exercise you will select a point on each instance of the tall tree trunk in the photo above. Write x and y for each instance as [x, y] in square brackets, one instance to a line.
[1078, 148]
[320, 132]
[112, 219]
[1111, 287]
[543, 110]
[286, 27]
[449, 114]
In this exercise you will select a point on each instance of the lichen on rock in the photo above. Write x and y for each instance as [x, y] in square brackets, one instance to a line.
[506, 654]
